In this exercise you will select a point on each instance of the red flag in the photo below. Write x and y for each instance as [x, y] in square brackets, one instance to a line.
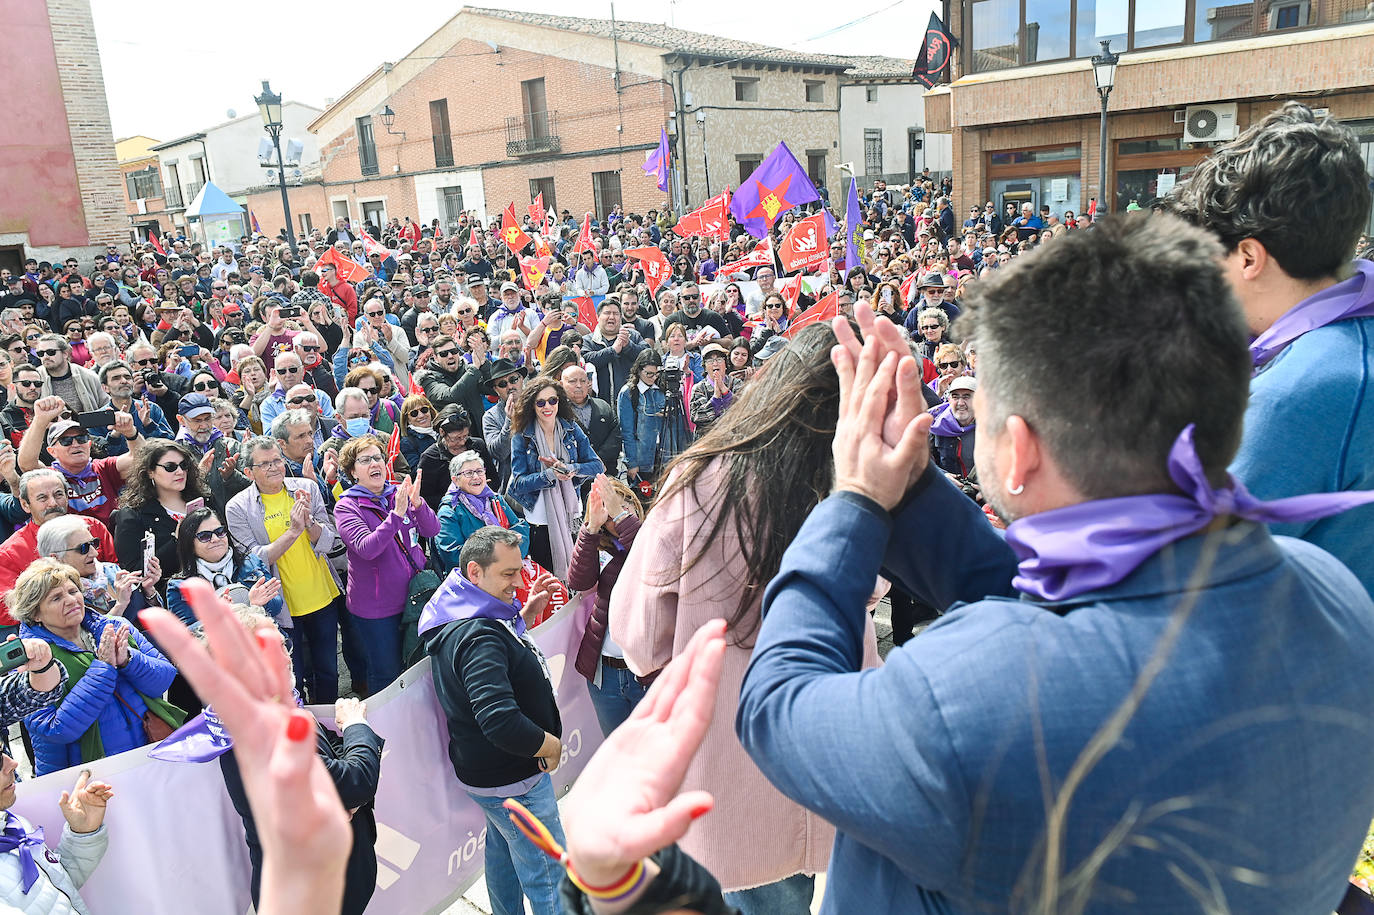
[536, 211]
[824, 310]
[393, 450]
[584, 238]
[534, 269]
[761, 256]
[415, 385]
[656, 267]
[1092, 207]
[586, 309]
[790, 289]
[371, 245]
[472, 237]
[541, 247]
[349, 270]
[511, 233]
[907, 285]
[805, 246]
[708, 220]
[157, 245]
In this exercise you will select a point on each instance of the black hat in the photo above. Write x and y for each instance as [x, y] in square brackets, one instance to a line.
[453, 417]
[498, 368]
[932, 279]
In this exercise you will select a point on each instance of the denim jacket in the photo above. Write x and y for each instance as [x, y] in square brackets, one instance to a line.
[639, 428]
[528, 476]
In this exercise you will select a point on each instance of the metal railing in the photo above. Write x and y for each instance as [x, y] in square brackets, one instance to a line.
[193, 189]
[536, 132]
[172, 198]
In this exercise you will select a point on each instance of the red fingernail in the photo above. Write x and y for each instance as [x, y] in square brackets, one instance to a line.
[298, 728]
[700, 811]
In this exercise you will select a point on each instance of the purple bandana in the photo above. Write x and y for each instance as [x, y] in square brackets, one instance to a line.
[1070, 551]
[16, 837]
[480, 505]
[1352, 298]
[945, 424]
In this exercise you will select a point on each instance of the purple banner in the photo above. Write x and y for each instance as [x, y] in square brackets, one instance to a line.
[430, 835]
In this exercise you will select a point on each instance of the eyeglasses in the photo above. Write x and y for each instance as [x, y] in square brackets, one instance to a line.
[218, 288]
[472, 474]
[465, 311]
[550, 402]
[310, 349]
[292, 370]
[501, 384]
[297, 401]
[948, 365]
[369, 391]
[83, 548]
[204, 386]
[444, 354]
[80, 438]
[930, 327]
[210, 536]
[275, 464]
[368, 459]
[151, 360]
[171, 466]
[29, 384]
[420, 411]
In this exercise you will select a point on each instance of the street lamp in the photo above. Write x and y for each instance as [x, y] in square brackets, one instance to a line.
[1104, 74]
[269, 106]
[705, 166]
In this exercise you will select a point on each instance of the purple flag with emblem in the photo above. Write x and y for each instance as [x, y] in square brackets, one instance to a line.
[853, 218]
[777, 185]
[657, 163]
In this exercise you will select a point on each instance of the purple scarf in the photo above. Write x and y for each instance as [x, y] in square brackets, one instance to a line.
[945, 424]
[16, 837]
[480, 505]
[459, 599]
[200, 739]
[1070, 551]
[1352, 298]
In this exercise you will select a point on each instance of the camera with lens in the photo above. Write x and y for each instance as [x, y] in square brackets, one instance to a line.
[670, 379]
[152, 376]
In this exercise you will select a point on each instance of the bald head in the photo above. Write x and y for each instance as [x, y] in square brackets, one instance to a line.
[577, 384]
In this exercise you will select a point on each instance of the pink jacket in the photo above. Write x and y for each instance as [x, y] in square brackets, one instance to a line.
[754, 835]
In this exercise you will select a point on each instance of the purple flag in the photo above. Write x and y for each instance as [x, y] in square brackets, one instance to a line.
[657, 163]
[777, 185]
[853, 216]
[199, 740]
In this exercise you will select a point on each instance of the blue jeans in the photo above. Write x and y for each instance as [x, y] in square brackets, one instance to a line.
[615, 698]
[381, 642]
[315, 654]
[354, 654]
[514, 867]
[789, 896]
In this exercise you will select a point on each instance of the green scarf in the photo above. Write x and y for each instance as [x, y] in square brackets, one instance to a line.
[77, 664]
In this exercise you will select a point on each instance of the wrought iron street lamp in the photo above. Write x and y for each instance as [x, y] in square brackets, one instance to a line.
[1104, 75]
[269, 106]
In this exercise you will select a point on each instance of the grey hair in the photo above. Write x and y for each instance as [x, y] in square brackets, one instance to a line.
[465, 457]
[287, 418]
[256, 443]
[100, 335]
[933, 312]
[55, 535]
[60, 340]
[480, 547]
[347, 394]
[33, 475]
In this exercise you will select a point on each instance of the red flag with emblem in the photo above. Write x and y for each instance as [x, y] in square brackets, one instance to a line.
[586, 309]
[805, 247]
[656, 267]
[584, 238]
[824, 310]
[708, 220]
[534, 269]
[371, 245]
[761, 256]
[511, 233]
[349, 270]
[536, 211]
[541, 247]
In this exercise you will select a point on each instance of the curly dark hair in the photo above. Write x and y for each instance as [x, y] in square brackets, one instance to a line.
[1262, 183]
[139, 489]
[523, 417]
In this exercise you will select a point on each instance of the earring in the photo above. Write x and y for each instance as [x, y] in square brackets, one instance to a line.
[1015, 490]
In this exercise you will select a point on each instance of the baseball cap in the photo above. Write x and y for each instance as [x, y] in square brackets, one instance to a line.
[57, 429]
[963, 383]
[419, 289]
[193, 405]
[712, 349]
[508, 286]
[476, 279]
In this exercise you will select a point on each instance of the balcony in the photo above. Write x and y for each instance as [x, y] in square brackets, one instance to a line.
[536, 132]
[173, 198]
[193, 189]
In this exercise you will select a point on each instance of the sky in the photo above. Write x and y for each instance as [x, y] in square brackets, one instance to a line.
[173, 68]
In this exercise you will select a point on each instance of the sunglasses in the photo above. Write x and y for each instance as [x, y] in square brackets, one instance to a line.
[32, 336]
[171, 466]
[310, 349]
[83, 548]
[948, 365]
[210, 536]
[930, 327]
[152, 360]
[550, 402]
[374, 314]
[80, 438]
[297, 401]
[420, 411]
[501, 384]
[295, 369]
[30, 384]
[204, 386]
[368, 391]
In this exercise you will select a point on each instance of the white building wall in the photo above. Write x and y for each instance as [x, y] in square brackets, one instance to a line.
[232, 150]
[899, 107]
[429, 201]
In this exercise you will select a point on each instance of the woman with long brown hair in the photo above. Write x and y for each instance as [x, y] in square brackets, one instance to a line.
[731, 504]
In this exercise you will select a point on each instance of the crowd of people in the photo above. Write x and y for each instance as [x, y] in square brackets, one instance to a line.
[430, 459]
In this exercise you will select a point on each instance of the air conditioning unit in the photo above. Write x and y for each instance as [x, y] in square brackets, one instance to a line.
[266, 153]
[1321, 112]
[291, 155]
[1210, 123]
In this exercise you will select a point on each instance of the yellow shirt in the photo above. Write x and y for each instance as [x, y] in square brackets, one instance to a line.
[305, 580]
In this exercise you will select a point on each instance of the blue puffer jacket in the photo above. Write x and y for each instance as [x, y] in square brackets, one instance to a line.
[248, 573]
[457, 523]
[57, 729]
[528, 476]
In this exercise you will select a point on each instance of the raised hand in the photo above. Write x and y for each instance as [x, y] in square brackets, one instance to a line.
[541, 592]
[49, 408]
[415, 498]
[301, 822]
[263, 591]
[402, 498]
[625, 804]
[228, 465]
[207, 461]
[84, 806]
[597, 515]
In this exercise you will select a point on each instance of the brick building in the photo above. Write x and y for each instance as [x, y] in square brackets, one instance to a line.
[497, 106]
[1024, 114]
[58, 177]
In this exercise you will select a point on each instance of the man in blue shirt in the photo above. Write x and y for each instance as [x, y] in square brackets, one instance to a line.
[1140, 700]
[1310, 424]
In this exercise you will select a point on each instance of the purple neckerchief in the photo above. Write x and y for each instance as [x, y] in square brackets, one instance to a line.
[385, 500]
[1080, 548]
[480, 505]
[1351, 298]
[16, 837]
[185, 436]
[945, 424]
[459, 599]
[201, 739]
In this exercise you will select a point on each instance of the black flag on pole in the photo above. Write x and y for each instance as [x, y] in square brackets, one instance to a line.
[935, 55]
